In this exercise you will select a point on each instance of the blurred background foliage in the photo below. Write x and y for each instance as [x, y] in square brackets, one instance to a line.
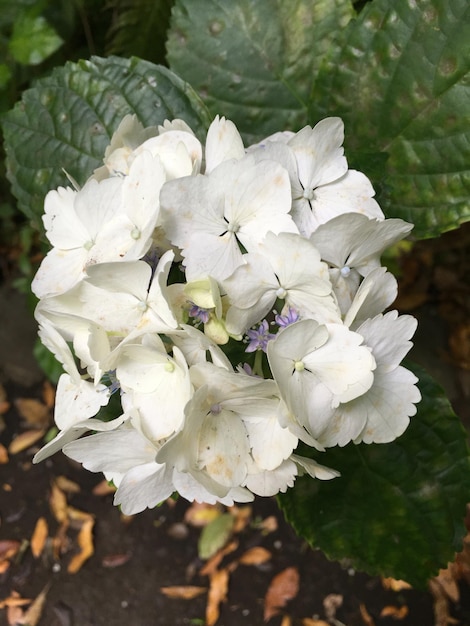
[35, 37]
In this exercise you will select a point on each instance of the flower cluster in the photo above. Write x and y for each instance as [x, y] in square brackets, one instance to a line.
[234, 299]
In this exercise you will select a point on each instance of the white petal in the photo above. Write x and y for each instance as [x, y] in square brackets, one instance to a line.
[76, 401]
[314, 469]
[223, 142]
[144, 486]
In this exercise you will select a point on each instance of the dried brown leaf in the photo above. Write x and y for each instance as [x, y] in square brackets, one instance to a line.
[33, 411]
[115, 560]
[213, 563]
[446, 579]
[32, 616]
[283, 588]
[40, 534]
[25, 440]
[85, 543]
[3, 455]
[396, 612]
[103, 488]
[331, 604]
[200, 514]
[14, 615]
[8, 548]
[48, 394]
[441, 607]
[395, 585]
[286, 620]
[308, 621]
[242, 515]
[4, 406]
[366, 616]
[14, 600]
[217, 594]
[58, 503]
[183, 592]
[66, 485]
[269, 525]
[255, 556]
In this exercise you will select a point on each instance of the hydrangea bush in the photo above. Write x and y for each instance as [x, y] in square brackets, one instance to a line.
[214, 291]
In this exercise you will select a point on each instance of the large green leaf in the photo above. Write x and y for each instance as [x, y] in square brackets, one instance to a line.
[397, 509]
[130, 35]
[400, 80]
[254, 62]
[66, 121]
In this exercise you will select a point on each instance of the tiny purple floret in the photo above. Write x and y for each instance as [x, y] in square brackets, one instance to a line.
[259, 337]
[286, 320]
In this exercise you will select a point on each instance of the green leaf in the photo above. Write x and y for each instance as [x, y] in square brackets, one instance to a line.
[254, 62]
[215, 535]
[33, 40]
[398, 509]
[400, 80]
[66, 121]
[130, 35]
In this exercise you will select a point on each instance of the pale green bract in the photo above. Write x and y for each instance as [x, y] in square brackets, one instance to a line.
[234, 298]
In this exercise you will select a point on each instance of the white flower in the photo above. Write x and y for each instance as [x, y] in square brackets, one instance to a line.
[318, 366]
[287, 267]
[110, 220]
[208, 217]
[155, 384]
[128, 298]
[382, 413]
[352, 245]
[322, 185]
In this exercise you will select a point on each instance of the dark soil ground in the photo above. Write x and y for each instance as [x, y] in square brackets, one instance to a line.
[120, 584]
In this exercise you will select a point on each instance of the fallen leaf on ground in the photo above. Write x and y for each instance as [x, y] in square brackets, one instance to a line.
[103, 488]
[200, 514]
[58, 503]
[14, 615]
[182, 592]
[34, 412]
[242, 517]
[14, 600]
[308, 621]
[366, 616]
[214, 562]
[396, 612]
[8, 549]
[115, 560]
[4, 404]
[255, 556]
[3, 455]
[48, 394]
[85, 543]
[395, 585]
[25, 440]
[66, 485]
[32, 616]
[283, 588]
[217, 594]
[269, 525]
[331, 604]
[215, 535]
[441, 607]
[287, 621]
[40, 534]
